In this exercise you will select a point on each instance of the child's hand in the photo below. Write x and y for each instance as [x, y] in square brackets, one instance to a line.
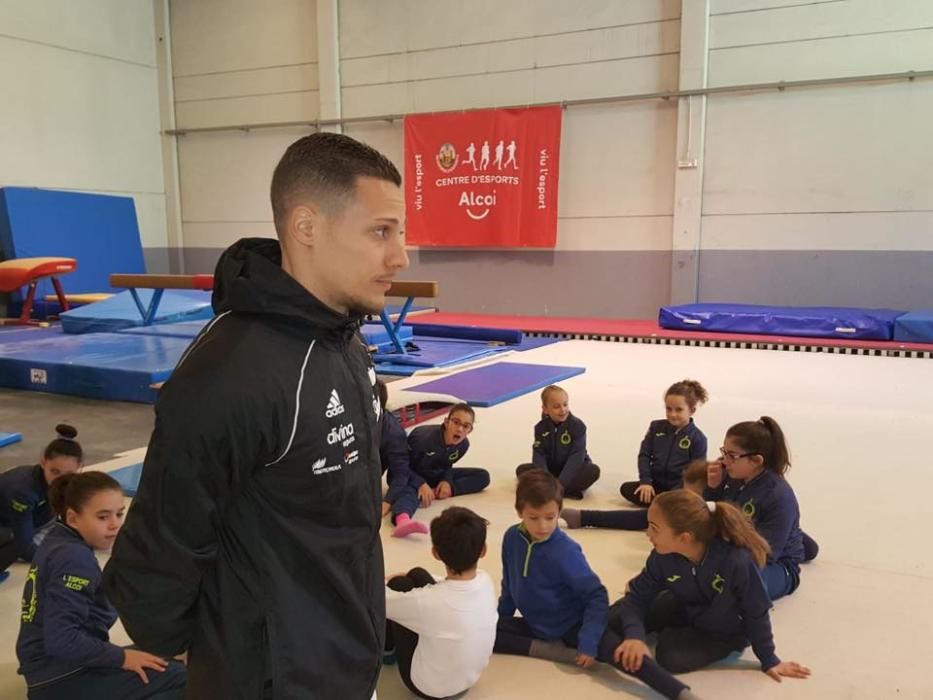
[630, 654]
[425, 495]
[645, 492]
[791, 669]
[386, 507]
[443, 490]
[585, 660]
[714, 474]
[137, 661]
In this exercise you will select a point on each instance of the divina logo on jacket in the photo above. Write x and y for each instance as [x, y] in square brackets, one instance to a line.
[334, 407]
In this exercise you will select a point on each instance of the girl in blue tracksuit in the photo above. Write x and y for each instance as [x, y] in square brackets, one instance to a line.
[755, 459]
[563, 603]
[401, 499]
[669, 445]
[24, 506]
[701, 590]
[434, 449]
[63, 646]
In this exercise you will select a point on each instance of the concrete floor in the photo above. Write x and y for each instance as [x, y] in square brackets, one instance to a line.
[857, 429]
[105, 428]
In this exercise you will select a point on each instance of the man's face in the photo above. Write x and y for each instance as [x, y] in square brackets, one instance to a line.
[360, 250]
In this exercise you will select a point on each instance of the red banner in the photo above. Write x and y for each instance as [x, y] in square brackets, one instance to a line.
[483, 178]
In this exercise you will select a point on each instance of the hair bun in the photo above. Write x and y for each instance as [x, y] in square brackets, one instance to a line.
[66, 432]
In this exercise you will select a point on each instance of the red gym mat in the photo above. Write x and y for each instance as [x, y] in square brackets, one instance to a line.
[650, 330]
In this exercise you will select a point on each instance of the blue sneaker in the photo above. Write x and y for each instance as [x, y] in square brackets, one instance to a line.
[388, 657]
[4, 575]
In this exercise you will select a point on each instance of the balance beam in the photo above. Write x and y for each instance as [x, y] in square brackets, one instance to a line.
[409, 289]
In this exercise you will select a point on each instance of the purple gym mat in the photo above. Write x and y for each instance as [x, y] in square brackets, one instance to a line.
[493, 384]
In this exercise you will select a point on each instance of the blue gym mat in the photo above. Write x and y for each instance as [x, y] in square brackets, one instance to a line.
[9, 438]
[493, 384]
[120, 311]
[128, 478]
[179, 329]
[500, 335]
[112, 366]
[99, 231]
[799, 321]
[914, 327]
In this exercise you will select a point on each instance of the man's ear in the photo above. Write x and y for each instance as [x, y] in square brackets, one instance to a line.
[305, 224]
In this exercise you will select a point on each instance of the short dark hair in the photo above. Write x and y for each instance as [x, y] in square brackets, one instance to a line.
[458, 535]
[324, 167]
[537, 488]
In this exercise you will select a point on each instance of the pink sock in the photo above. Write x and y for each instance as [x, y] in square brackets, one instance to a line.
[405, 526]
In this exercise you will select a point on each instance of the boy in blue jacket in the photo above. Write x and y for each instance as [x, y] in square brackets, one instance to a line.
[563, 603]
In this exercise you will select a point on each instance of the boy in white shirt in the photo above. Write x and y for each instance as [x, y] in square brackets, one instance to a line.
[443, 631]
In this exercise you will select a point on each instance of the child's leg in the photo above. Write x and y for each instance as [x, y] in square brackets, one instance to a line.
[96, 683]
[628, 493]
[686, 649]
[469, 480]
[810, 547]
[404, 507]
[780, 580]
[626, 519]
[406, 642]
[514, 636]
[585, 477]
[650, 673]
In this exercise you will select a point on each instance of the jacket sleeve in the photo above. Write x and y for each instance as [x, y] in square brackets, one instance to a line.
[406, 609]
[22, 513]
[394, 454]
[415, 456]
[587, 587]
[642, 590]
[204, 443]
[538, 456]
[644, 457]
[506, 603]
[69, 595]
[774, 521]
[699, 448]
[577, 455]
[749, 590]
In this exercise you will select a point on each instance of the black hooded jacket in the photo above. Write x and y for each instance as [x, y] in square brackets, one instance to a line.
[253, 541]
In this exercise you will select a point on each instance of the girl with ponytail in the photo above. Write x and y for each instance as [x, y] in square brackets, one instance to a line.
[755, 458]
[63, 647]
[24, 506]
[701, 590]
[669, 445]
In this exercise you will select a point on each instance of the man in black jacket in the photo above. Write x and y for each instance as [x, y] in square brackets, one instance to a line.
[253, 542]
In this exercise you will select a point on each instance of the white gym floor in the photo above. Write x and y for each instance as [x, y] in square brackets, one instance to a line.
[859, 430]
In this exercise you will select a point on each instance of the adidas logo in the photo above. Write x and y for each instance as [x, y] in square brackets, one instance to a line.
[334, 407]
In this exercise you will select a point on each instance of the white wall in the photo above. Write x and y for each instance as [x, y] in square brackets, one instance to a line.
[812, 179]
[238, 62]
[406, 56]
[81, 104]
[831, 169]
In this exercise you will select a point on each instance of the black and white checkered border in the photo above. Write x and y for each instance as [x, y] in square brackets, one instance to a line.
[738, 344]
